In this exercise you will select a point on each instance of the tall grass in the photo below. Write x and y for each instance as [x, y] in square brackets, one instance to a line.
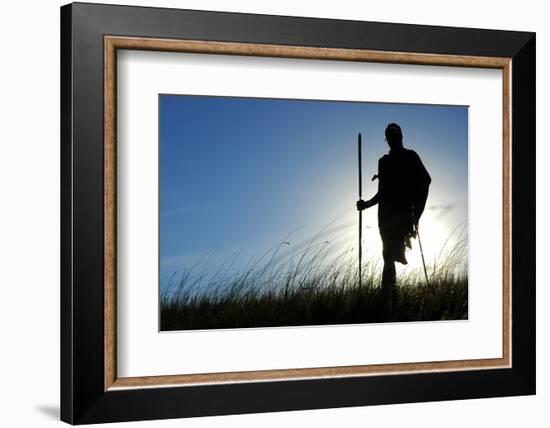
[315, 285]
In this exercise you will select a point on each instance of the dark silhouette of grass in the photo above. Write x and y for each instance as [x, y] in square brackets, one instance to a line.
[316, 286]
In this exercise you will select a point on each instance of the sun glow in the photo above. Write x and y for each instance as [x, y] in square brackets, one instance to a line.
[438, 239]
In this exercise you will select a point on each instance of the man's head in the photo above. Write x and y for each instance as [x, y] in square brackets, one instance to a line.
[394, 136]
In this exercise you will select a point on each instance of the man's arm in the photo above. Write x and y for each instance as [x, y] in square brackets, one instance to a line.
[361, 204]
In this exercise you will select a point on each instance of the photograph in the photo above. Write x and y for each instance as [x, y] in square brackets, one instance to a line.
[299, 212]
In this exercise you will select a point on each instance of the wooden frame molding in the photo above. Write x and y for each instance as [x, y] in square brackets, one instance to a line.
[113, 43]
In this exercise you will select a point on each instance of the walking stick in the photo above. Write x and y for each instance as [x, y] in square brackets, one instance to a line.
[360, 211]
[422, 254]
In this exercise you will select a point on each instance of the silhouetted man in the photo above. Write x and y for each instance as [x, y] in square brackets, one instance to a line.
[403, 185]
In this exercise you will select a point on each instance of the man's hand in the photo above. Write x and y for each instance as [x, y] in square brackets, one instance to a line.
[363, 205]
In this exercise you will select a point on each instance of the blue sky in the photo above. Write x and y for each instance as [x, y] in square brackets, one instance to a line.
[239, 174]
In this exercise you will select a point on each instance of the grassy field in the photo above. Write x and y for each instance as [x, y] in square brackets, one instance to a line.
[312, 288]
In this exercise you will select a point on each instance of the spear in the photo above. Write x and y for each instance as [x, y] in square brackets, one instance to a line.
[360, 211]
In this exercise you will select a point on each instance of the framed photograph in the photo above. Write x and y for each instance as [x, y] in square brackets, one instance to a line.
[265, 213]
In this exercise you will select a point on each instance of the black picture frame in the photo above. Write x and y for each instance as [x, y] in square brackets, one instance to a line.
[83, 396]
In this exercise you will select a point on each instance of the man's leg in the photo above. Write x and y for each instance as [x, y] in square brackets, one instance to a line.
[388, 284]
